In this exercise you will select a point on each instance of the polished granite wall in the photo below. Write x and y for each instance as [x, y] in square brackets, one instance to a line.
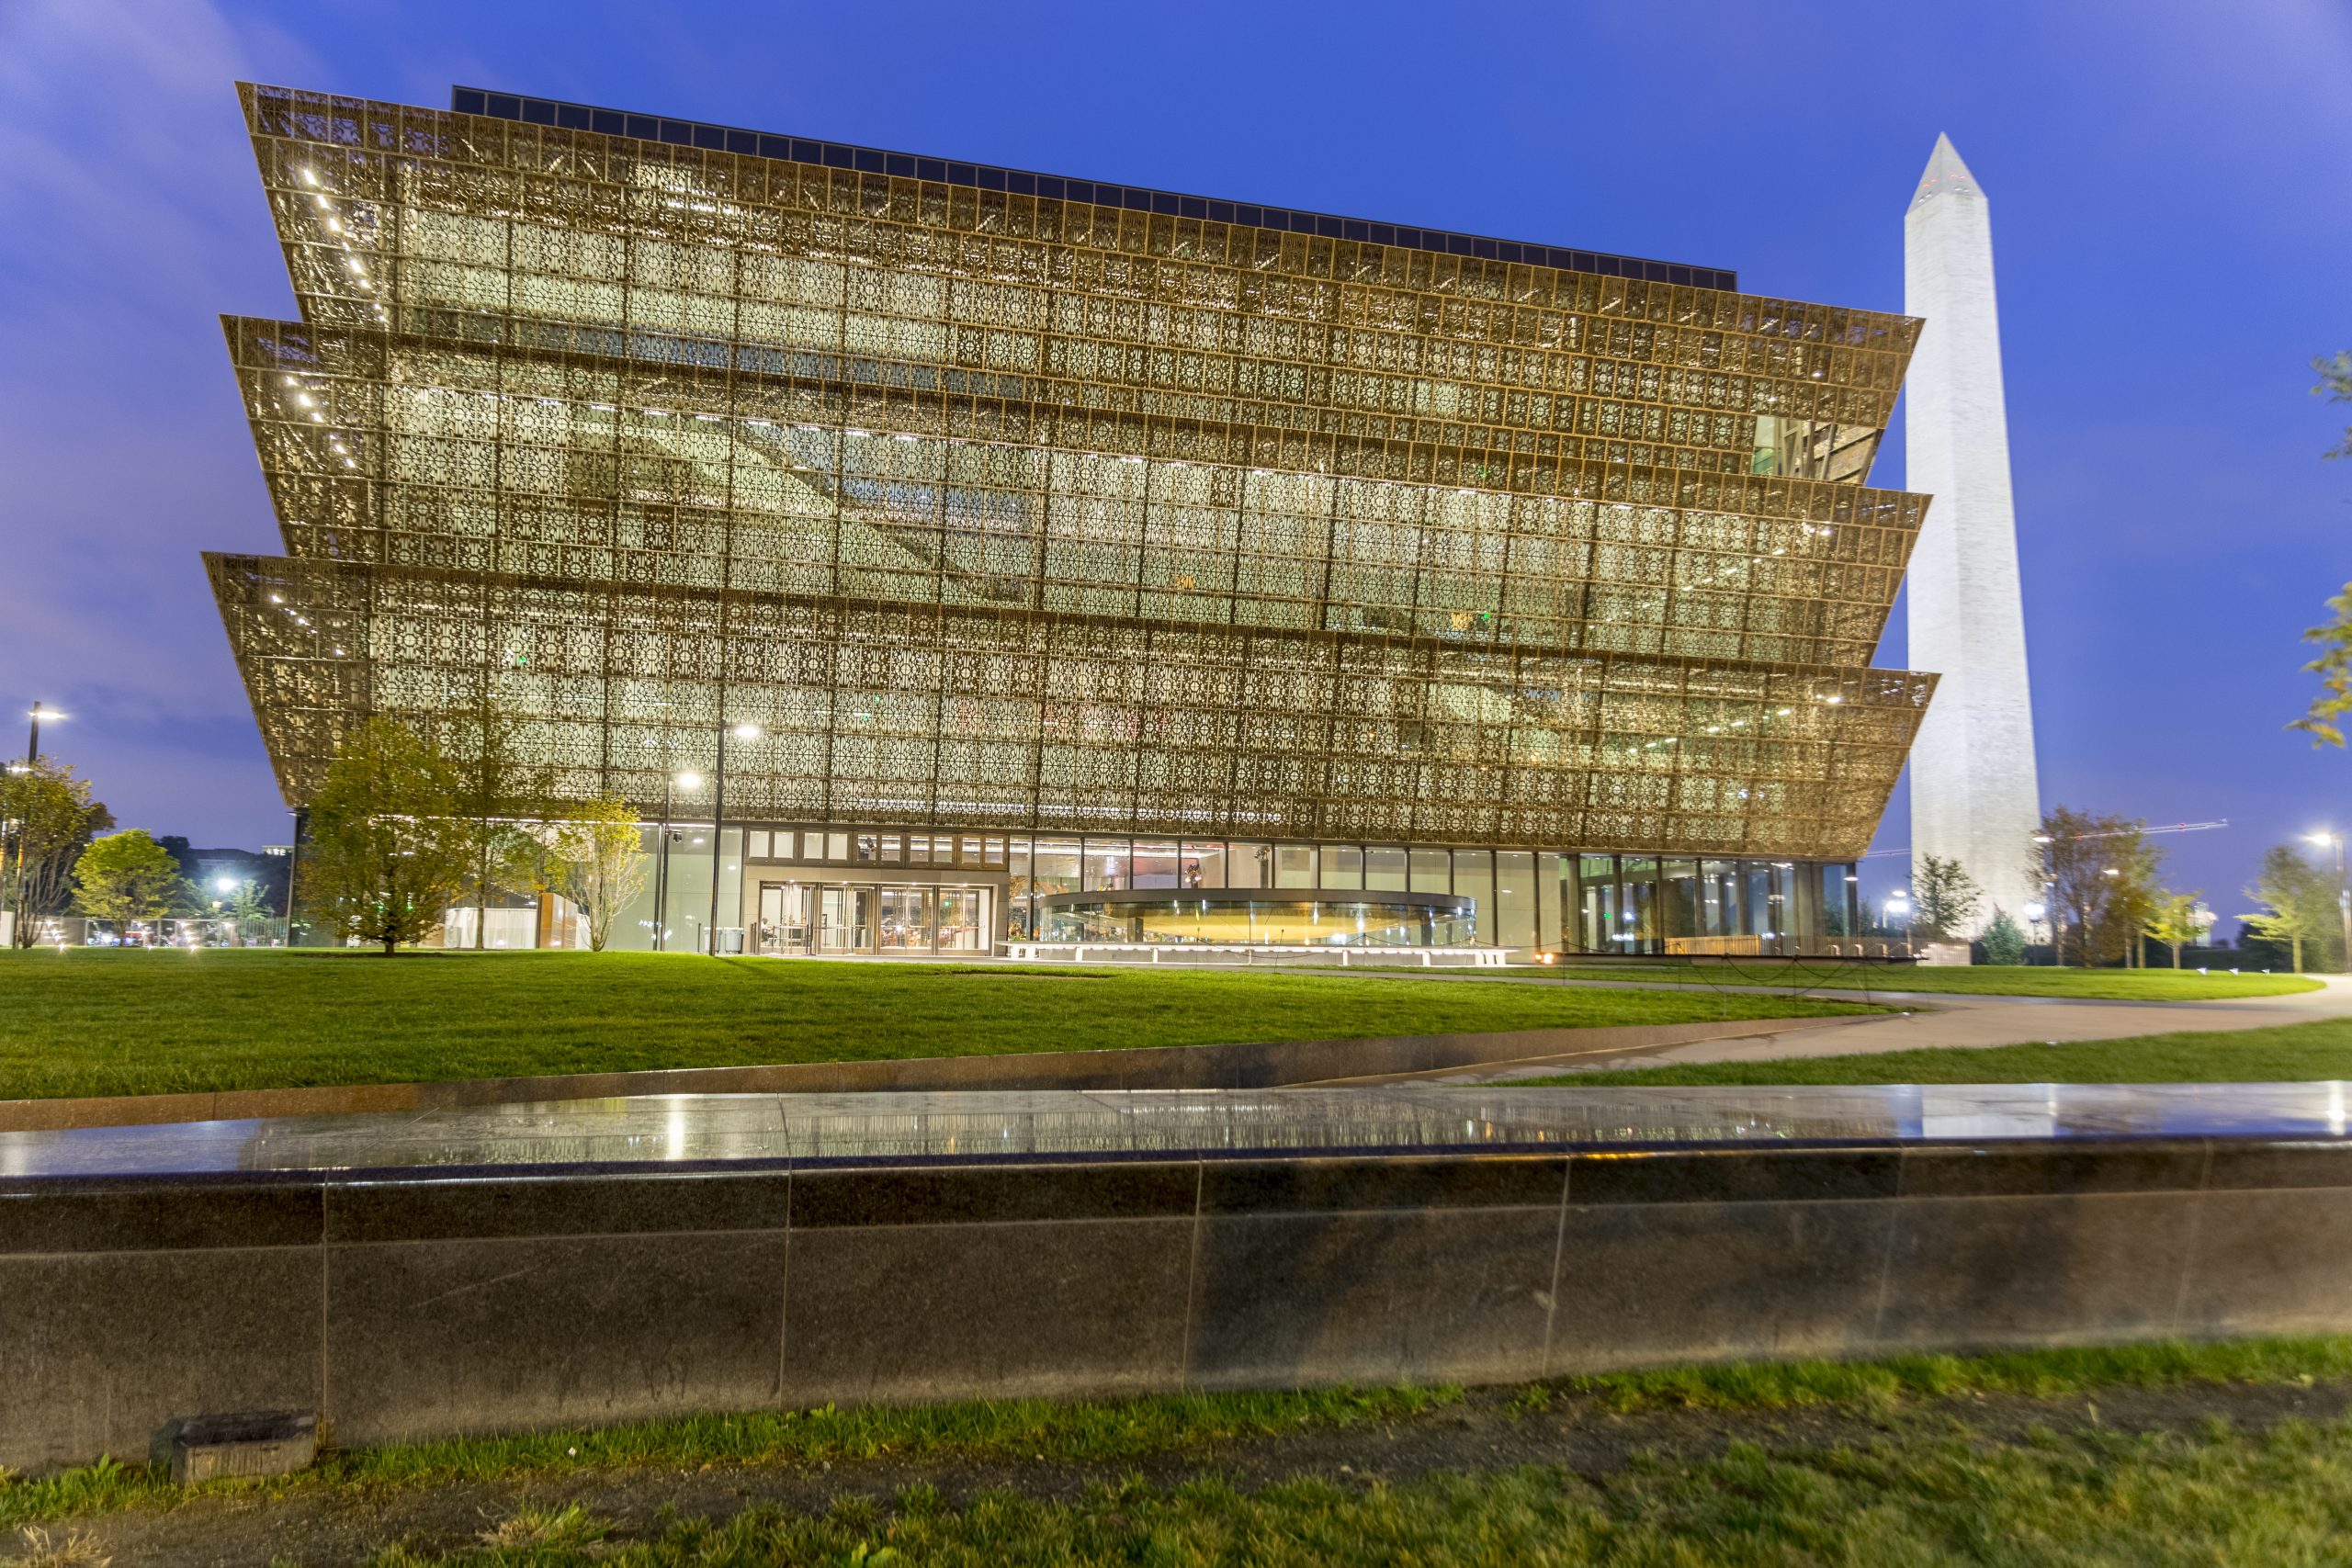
[694, 1257]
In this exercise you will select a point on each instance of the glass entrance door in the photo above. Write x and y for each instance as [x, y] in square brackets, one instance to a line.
[784, 919]
[906, 919]
[844, 919]
[963, 919]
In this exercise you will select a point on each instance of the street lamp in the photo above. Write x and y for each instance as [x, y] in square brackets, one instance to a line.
[719, 823]
[23, 820]
[2343, 892]
[1899, 903]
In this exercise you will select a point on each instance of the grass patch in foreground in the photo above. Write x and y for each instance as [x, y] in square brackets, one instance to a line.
[2280, 1499]
[101, 1021]
[2036, 1374]
[2291, 1052]
[1978, 980]
[1121, 1430]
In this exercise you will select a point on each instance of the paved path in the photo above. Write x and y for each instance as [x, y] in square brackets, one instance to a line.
[1963, 1022]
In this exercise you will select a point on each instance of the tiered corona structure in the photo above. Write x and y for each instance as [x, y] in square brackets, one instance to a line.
[1063, 538]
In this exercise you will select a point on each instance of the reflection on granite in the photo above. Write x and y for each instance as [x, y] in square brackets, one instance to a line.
[826, 1128]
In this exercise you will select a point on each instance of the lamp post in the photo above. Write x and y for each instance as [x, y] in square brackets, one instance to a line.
[2343, 891]
[23, 820]
[719, 823]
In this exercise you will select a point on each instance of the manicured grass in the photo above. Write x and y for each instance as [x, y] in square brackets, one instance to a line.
[1980, 980]
[96, 1022]
[2282, 1498]
[2293, 1052]
[2038, 1374]
[1938, 1477]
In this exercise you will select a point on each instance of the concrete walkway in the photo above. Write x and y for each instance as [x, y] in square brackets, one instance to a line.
[1948, 1021]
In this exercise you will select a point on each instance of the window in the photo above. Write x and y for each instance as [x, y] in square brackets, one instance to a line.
[1202, 864]
[1056, 865]
[1384, 868]
[1107, 865]
[756, 844]
[1473, 878]
[1155, 863]
[1295, 865]
[1514, 924]
[1342, 866]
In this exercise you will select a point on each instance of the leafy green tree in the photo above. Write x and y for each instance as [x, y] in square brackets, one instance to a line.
[2004, 942]
[1944, 898]
[245, 909]
[2335, 386]
[2174, 921]
[386, 852]
[2299, 900]
[2334, 637]
[499, 797]
[595, 856]
[47, 819]
[129, 876]
[2102, 875]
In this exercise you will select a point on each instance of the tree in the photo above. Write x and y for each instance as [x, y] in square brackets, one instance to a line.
[2174, 921]
[129, 876]
[2335, 386]
[595, 856]
[2333, 666]
[386, 854]
[499, 797]
[2299, 901]
[47, 819]
[245, 911]
[2102, 876]
[1944, 898]
[2004, 942]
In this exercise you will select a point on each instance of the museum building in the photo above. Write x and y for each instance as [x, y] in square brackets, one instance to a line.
[983, 554]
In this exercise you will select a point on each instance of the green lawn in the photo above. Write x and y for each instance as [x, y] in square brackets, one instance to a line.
[95, 1021]
[2280, 1499]
[1927, 1459]
[2293, 1052]
[2015, 980]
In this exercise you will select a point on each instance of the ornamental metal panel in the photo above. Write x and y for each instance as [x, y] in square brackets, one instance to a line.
[1000, 508]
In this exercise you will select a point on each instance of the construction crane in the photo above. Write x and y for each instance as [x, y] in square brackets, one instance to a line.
[2110, 833]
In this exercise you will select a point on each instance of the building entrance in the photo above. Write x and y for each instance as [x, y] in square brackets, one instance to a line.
[798, 918]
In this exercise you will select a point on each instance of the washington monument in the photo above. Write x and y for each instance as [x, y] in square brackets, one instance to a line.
[1975, 797]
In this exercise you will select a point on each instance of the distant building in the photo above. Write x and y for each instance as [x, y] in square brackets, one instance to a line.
[1090, 560]
[1975, 795]
[208, 870]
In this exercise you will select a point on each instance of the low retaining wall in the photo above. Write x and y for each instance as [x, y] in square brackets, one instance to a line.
[414, 1305]
[1267, 1066]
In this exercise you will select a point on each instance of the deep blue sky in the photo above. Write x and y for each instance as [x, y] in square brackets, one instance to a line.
[2171, 189]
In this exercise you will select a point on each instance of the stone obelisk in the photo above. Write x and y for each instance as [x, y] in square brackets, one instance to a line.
[1975, 797]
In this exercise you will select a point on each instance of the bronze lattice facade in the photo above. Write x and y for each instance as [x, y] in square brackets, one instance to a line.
[1018, 505]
